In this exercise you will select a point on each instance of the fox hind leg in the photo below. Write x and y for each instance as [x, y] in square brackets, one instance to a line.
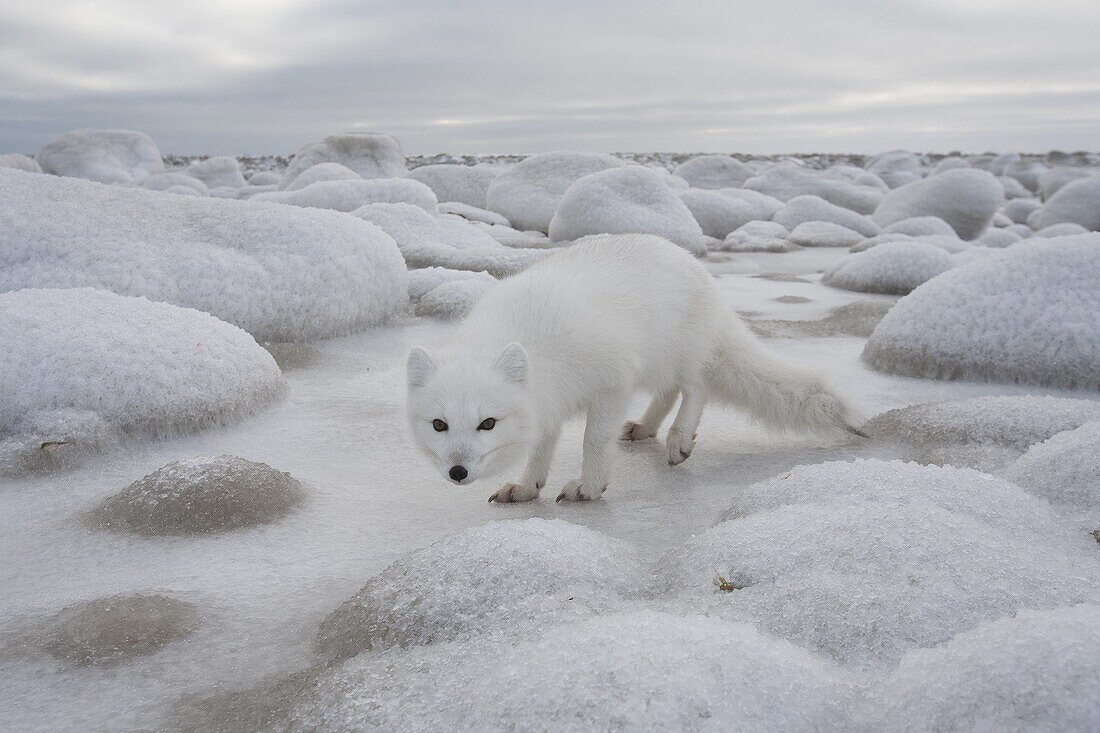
[681, 436]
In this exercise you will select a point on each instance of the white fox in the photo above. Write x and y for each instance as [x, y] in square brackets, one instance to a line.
[582, 331]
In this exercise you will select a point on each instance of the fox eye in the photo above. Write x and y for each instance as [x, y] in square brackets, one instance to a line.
[487, 424]
[439, 425]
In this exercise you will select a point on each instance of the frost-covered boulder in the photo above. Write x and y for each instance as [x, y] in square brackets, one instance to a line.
[1027, 172]
[823, 234]
[717, 213]
[202, 495]
[172, 181]
[265, 178]
[529, 192]
[759, 205]
[631, 199]
[1060, 230]
[465, 184]
[348, 196]
[894, 268]
[1064, 469]
[896, 168]
[220, 171]
[452, 300]
[370, 154]
[1018, 210]
[472, 213]
[965, 199]
[424, 280]
[1055, 178]
[107, 156]
[999, 238]
[20, 162]
[950, 163]
[1077, 202]
[758, 236]
[515, 574]
[785, 181]
[280, 273]
[714, 171]
[814, 208]
[322, 172]
[921, 226]
[1037, 671]
[85, 367]
[1013, 189]
[1023, 314]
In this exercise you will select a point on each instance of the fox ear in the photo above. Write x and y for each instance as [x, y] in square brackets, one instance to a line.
[419, 367]
[512, 363]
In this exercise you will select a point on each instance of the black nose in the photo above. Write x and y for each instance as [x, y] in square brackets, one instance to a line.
[458, 473]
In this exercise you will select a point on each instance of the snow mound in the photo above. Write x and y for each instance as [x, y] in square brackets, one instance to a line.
[107, 156]
[501, 574]
[714, 171]
[1027, 172]
[631, 199]
[92, 362]
[759, 205]
[1077, 202]
[786, 181]
[528, 193]
[823, 234]
[201, 495]
[1013, 189]
[1039, 671]
[894, 268]
[265, 178]
[802, 209]
[998, 238]
[348, 196]
[282, 274]
[758, 236]
[454, 299]
[424, 280]
[1061, 230]
[1018, 210]
[220, 171]
[322, 172]
[174, 180]
[1054, 179]
[1064, 469]
[370, 154]
[960, 325]
[20, 162]
[867, 582]
[966, 199]
[949, 163]
[472, 213]
[717, 213]
[920, 226]
[465, 184]
[111, 630]
[896, 168]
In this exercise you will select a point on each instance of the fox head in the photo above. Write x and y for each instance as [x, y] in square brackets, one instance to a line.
[469, 414]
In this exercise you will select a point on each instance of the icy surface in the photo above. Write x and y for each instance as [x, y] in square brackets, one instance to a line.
[370, 154]
[895, 268]
[966, 199]
[107, 156]
[462, 183]
[714, 171]
[280, 273]
[1064, 469]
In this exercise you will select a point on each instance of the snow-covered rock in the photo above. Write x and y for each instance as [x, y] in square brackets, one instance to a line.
[998, 238]
[758, 236]
[1026, 172]
[717, 213]
[107, 156]
[465, 184]
[20, 162]
[760, 206]
[350, 195]
[896, 168]
[322, 172]
[265, 178]
[1013, 189]
[280, 273]
[220, 171]
[950, 163]
[370, 154]
[1064, 469]
[823, 234]
[1077, 202]
[1054, 179]
[814, 208]
[472, 213]
[1018, 210]
[452, 300]
[424, 280]
[1066, 229]
[894, 268]
[921, 226]
[174, 180]
[1024, 314]
[528, 193]
[631, 199]
[785, 181]
[965, 199]
[714, 171]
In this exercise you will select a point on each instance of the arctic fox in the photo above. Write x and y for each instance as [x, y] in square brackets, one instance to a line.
[582, 331]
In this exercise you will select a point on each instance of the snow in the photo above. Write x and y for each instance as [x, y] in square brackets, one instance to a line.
[348, 196]
[758, 236]
[1027, 172]
[369, 154]
[452, 300]
[998, 238]
[625, 200]
[280, 273]
[896, 168]
[265, 178]
[462, 183]
[1061, 230]
[714, 171]
[961, 325]
[91, 367]
[1077, 202]
[472, 213]
[322, 172]
[1013, 189]
[785, 181]
[1018, 210]
[20, 162]
[528, 193]
[220, 171]
[921, 226]
[949, 163]
[424, 280]
[823, 234]
[966, 199]
[107, 156]
[719, 214]
[174, 180]
[1054, 179]
[1064, 469]
[801, 209]
[895, 268]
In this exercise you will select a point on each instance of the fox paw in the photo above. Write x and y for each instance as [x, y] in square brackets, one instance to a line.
[511, 493]
[577, 490]
[679, 447]
[636, 431]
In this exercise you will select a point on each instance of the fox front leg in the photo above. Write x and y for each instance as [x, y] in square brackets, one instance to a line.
[534, 477]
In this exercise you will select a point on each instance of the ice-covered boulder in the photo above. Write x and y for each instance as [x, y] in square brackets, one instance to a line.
[220, 171]
[785, 181]
[265, 178]
[1077, 202]
[322, 172]
[424, 280]
[759, 205]
[472, 213]
[921, 226]
[280, 273]
[1064, 469]
[950, 163]
[528, 193]
[1036, 671]
[1055, 178]
[107, 156]
[823, 234]
[466, 184]
[201, 495]
[894, 268]
[758, 236]
[20, 162]
[998, 238]
[452, 300]
[1023, 314]
[515, 573]
[965, 199]
[86, 367]
[1013, 189]
[174, 180]
[814, 208]
[631, 199]
[1060, 230]
[717, 213]
[1018, 210]
[714, 171]
[350, 195]
[370, 154]
[896, 168]
[1027, 172]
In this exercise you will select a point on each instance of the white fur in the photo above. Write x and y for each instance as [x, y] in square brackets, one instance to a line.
[599, 321]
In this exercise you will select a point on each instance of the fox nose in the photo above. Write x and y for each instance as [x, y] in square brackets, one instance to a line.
[458, 473]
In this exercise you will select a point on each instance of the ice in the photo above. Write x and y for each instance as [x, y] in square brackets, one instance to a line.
[631, 199]
[220, 171]
[920, 226]
[786, 181]
[1077, 202]
[1064, 469]
[322, 172]
[465, 184]
[453, 299]
[280, 273]
[719, 214]
[1054, 179]
[823, 234]
[801, 209]
[174, 180]
[348, 196]
[966, 199]
[107, 156]
[714, 171]
[528, 193]
[895, 268]
[853, 319]
[1036, 671]
[370, 154]
[961, 325]
[896, 168]
[499, 576]
[20, 162]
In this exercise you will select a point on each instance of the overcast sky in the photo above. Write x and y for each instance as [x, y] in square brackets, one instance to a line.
[463, 76]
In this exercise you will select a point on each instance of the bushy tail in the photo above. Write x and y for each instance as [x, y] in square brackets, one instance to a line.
[779, 393]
